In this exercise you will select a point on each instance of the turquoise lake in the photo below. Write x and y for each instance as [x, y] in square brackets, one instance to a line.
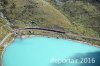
[44, 51]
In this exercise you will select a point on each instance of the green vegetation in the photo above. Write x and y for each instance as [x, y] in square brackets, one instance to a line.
[1, 48]
[4, 28]
[83, 12]
[74, 17]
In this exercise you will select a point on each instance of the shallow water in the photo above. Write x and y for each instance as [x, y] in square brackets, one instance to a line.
[43, 51]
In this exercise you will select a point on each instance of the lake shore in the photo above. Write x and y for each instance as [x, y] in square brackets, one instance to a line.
[28, 36]
[5, 45]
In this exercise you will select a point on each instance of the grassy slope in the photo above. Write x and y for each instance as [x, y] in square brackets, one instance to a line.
[4, 30]
[26, 13]
[84, 12]
[39, 14]
[29, 13]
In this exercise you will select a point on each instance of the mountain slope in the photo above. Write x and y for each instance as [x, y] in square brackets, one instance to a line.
[69, 16]
[34, 12]
[83, 12]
